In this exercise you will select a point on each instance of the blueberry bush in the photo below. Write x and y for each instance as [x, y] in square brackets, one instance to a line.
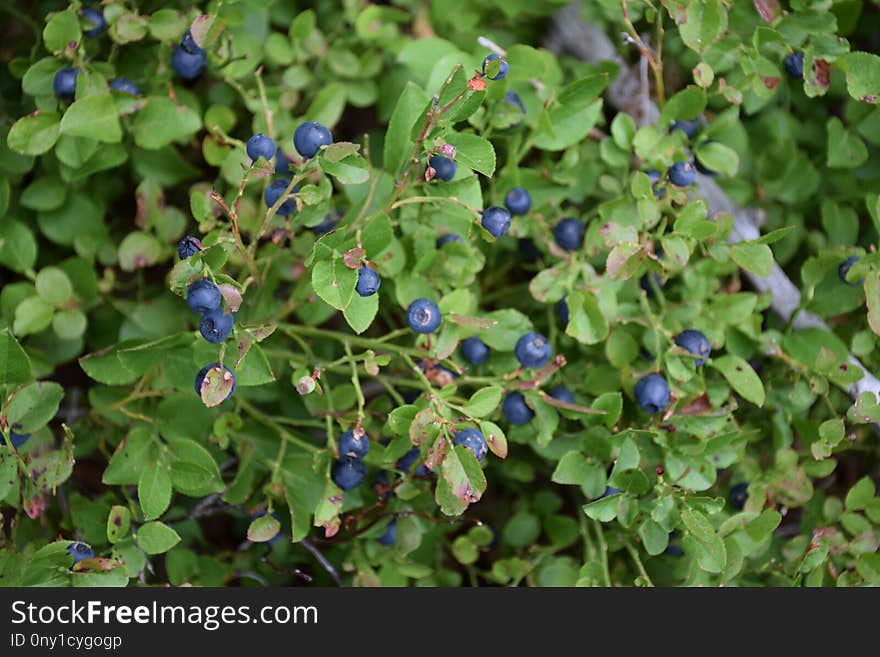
[414, 293]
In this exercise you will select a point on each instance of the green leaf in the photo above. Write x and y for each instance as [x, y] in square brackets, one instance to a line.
[54, 286]
[761, 527]
[34, 405]
[15, 366]
[154, 490]
[351, 170]
[118, 523]
[698, 525]
[573, 469]
[62, 30]
[688, 103]
[334, 282]
[263, 529]
[741, 377]
[328, 104]
[863, 76]
[718, 157]
[473, 151]
[399, 144]
[8, 470]
[34, 134]
[654, 537]
[586, 322]
[483, 402]
[129, 458]
[464, 480]
[161, 121]
[754, 257]
[18, 248]
[193, 470]
[705, 21]
[495, 438]
[860, 494]
[604, 509]
[846, 150]
[156, 538]
[93, 117]
[139, 250]
[361, 312]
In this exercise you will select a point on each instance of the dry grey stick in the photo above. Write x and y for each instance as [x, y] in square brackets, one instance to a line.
[570, 34]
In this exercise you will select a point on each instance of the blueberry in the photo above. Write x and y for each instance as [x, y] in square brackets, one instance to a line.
[259, 146]
[844, 268]
[562, 311]
[444, 168]
[200, 377]
[518, 201]
[533, 350]
[569, 234]
[645, 282]
[527, 249]
[610, 490]
[474, 350]
[447, 238]
[655, 176]
[203, 296]
[738, 495]
[652, 393]
[215, 327]
[188, 43]
[389, 538]
[474, 441]
[80, 551]
[348, 472]
[409, 396]
[496, 220]
[188, 246]
[682, 174]
[561, 393]
[695, 343]
[368, 281]
[309, 137]
[17, 439]
[95, 18]
[794, 65]
[689, 128]
[423, 316]
[513, 98]
[673, 550]
[325, 226]
[282, 162]
[125, 86]
[502, 66]
[274, 191]
[188, 65]
[354, 444]
[406, 461]
[64, 84]
[515, 409]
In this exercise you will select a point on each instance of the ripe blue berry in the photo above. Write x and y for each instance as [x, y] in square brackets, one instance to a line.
[646, 285]
[513, 98]
[611, 490]
[389, 538]
[368, 281]
[496, 220]
[353, 443]
[282, 162]
[562, 311]
[500, 72]
[203, 296]
[274, 191]
[654, 176]
[527, 249]
[682, 174]
[444, 168]
[474, 350]
[125, 86]
[447, 238]
[569, 234]
[533, 350]
[328, 224]
[695, 343]
[188, 246]
[652, 393]
[518, 201]
[212, 369]
[80, 551]
[309, 137]
[215, 327]
[561, 393]
[188, 43]
[64, 84]
[844, 268]
[515, 409]
[406, 461]
[188, 65]
[348, 472]
[17, 439]
[259, 146]
[738, 495]
[689, 128]
[474, 441]
[423, 316]
[794, 65]
[95, 18]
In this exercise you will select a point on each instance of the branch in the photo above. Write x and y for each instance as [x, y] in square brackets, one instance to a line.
[570, 34]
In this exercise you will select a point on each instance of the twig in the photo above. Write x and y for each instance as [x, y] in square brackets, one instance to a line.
[315, 552]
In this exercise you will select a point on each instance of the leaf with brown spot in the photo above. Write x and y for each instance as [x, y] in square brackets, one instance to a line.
[354, 257]
[232, 296]
[768, 10]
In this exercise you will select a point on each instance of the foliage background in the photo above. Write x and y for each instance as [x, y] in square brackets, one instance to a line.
[98, 350]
